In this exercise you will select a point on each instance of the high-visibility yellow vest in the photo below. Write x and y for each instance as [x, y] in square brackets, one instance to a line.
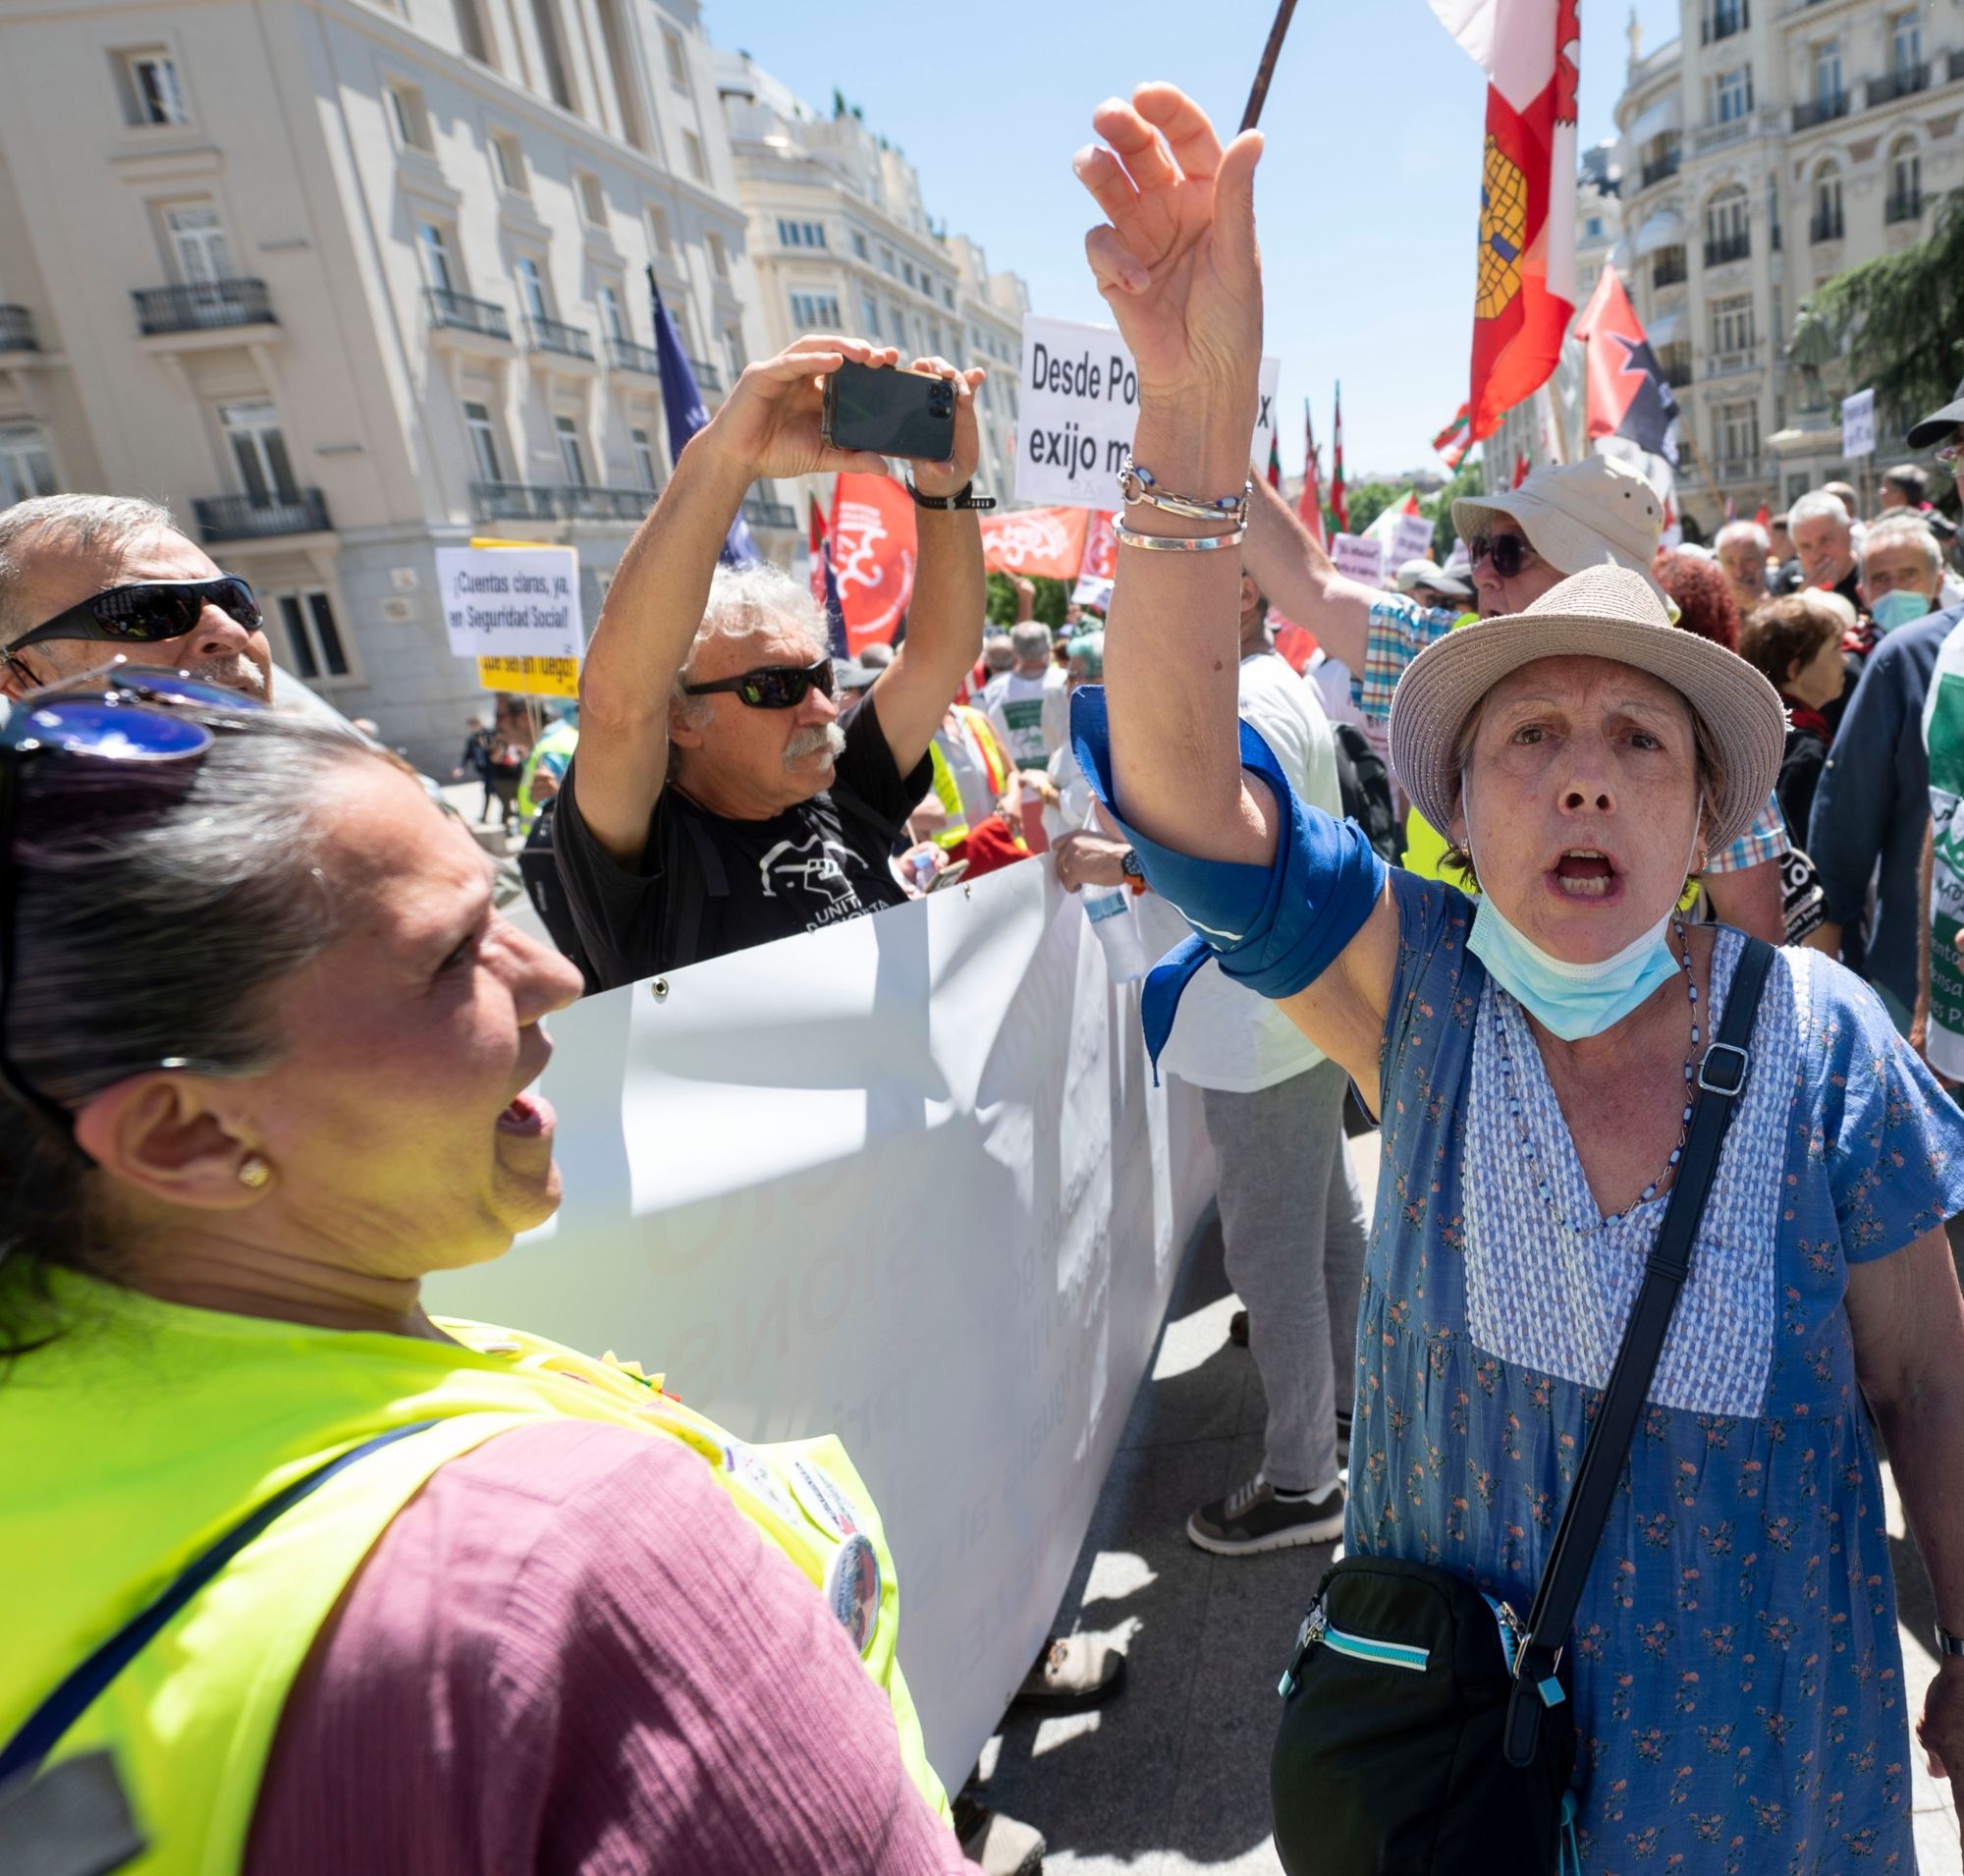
[947, 789]
[560, 739]
[149, 1430]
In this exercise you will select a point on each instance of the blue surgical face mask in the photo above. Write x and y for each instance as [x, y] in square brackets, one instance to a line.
[1897, 608]
[1570, 1001]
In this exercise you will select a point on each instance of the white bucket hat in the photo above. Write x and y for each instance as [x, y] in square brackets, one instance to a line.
[1607, 612]
[1594, 513]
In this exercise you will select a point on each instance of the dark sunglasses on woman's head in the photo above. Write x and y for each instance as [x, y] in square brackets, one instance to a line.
[120, 716]
[1510, 553]
[772, 687]
[148, 612]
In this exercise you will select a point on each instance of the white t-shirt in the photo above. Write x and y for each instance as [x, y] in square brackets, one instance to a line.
[1032, 715]
[1226, 1036]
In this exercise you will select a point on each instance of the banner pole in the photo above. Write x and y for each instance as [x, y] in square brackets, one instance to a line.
[1259, 93]
[1690, 441]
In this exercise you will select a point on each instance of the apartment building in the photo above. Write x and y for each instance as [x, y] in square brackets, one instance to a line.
[1772, 145]
[841, 242]
[344, 281]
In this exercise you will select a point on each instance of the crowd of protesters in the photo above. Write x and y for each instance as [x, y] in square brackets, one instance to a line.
[272, 1050]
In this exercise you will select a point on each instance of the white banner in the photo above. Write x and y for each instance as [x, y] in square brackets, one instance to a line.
[1078, 405]
[1858, 425]
[906, 1179]
[511, 602]
[1359, 556]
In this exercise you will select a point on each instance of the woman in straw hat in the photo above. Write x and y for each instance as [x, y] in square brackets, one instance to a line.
[1734, 1667]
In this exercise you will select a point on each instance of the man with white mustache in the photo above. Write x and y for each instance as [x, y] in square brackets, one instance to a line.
[724, 795]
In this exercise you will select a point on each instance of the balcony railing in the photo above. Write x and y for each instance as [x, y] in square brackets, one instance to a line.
[1660, 168]
[462, 314]
[288, 511]
[203, 305]
[556, 501]
[17, 330]
[1737, 468]
[1904, 81]
[1820, 110]
[762, 513]
[554, 335]
[1723, 364]
[1903, 206]
[1726, 131]
[624, 354]
[1734, 247]
[1670, 269]
[1826, 227]
[707, 377]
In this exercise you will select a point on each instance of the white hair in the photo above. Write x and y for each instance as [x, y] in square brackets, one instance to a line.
[743, 600]
[71, 524]
[1031, 639]
[1742, 531]
[1903, 529]
[1816, 505]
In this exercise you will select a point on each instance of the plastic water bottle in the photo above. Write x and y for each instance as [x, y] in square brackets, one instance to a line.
[1109, 909]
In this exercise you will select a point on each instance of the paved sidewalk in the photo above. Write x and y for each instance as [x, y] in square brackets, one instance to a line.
[1173, 1775]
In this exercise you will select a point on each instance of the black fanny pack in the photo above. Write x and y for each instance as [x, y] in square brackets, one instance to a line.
[1425, 1730]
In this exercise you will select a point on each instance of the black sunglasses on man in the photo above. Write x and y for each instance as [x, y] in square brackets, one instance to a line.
[772, 687]
[1510, 553]
[147, 612]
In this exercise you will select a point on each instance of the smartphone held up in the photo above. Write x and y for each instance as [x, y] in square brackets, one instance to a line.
[890, 412]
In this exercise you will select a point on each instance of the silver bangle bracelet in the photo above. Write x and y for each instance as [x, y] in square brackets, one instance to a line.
[1137, 486]
[1176, 543]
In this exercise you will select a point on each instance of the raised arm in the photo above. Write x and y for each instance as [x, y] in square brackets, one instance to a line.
[768, 426]
[951, 591]
[1179, 265]
[1300, 579]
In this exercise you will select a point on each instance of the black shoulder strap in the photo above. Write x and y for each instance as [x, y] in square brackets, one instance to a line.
[27, 1750]
[1722, 1078]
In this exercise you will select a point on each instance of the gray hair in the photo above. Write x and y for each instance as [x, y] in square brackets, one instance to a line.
[743, 600]
[74, 523]
[154, 913]
[1816, 505]
[997, 653]
[1742, 531]
[1031, 640]
[1903, 530]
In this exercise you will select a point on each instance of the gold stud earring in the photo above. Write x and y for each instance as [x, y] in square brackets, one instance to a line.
[254, 1172]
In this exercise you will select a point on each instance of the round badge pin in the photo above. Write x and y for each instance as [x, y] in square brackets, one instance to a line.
[852, 1590]
[746, 1467]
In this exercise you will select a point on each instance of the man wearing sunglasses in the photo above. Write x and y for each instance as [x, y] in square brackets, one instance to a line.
[84, 577]
[722, 794]
[1566, 516]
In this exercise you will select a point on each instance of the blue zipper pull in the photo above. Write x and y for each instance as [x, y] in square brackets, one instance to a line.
[1570, 1859]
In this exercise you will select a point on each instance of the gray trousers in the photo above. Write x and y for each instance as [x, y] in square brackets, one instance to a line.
[1293, 1226]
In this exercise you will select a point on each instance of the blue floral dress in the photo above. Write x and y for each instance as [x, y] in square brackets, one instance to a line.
[1738, 1686]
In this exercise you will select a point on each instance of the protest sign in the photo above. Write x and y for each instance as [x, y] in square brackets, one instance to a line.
[874, 550]
[908, 1180]
[1359, 556]
[1041, 543]
[530, 676]
[511, 602]
[1858, 425]
[1412, 539]
[1080, 400]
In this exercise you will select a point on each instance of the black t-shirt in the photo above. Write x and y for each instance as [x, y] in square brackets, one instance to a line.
[707, 885]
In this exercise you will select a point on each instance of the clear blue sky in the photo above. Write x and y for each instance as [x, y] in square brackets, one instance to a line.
[1368, 193]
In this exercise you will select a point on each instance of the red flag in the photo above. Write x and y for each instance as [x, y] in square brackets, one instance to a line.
[1045, 543]
[1626, 393]
[1340, 501]
[1275, 460]
[1763, 516]
[1521, 468]
[1731, 510]
[1453, 442]
[1525, 290]
[874, 550]
[1310, 505]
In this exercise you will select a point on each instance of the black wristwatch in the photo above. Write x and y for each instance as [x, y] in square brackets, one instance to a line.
[1946, 1643]
[1129, 865]
[963, 497]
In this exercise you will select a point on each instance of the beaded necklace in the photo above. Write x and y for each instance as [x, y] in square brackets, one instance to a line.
[1513, 1099]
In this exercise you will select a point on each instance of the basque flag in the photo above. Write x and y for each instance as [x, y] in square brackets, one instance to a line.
[687, 413]
[1339, 499]
[1454, 441]
[1309, 508]
[825, 584]
[1627, 395]
[1524, 292]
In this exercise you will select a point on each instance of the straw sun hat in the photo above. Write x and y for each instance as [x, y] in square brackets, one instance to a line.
[1604, 612]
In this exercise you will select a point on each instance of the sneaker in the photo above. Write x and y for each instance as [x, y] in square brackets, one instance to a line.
[1073, 1671]
[995, 1844]
[1252, 1518]
[1342, 1438]
[1237, 1328]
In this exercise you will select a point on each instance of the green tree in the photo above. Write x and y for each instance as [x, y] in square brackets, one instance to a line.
[1368, 500]
[1052, 597]
[1438, 504]
[1898, 321]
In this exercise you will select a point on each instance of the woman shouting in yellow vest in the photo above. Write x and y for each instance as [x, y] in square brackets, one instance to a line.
[340, 1585]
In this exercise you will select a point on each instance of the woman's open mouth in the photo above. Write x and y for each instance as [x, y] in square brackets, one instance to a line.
[1583, 872]
[528, 1116]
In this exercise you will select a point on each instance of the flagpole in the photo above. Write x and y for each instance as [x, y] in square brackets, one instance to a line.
[1690, 442]
[1259, 93]
[1553, 407]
